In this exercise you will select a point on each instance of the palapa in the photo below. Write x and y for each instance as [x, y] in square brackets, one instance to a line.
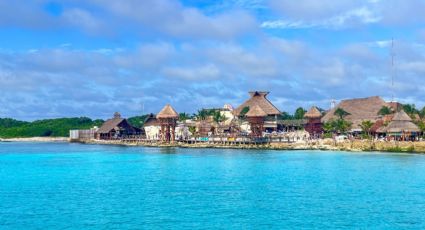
[359, 109]
[313, 113]
[401, 123]
[256, 111]
[258, 98]
[167, 112]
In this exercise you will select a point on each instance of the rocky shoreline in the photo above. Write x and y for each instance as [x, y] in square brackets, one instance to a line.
[323, 144]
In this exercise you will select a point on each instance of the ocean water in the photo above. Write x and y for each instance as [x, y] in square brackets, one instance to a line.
[74, 186]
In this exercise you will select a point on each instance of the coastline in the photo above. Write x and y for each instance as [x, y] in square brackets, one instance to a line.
[319, 145]
[323, 144]
[35, 139]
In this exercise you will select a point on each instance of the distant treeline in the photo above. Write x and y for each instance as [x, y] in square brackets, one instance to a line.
[11, 128]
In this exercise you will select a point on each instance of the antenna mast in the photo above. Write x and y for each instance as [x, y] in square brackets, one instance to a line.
[392, 70]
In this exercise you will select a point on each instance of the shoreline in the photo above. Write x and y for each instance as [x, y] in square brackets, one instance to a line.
[316, 145]
[35, 139]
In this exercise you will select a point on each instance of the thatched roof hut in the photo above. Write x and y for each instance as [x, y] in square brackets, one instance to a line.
[110, 124]
[167, 112]
[313, 113]
[256, 111]
[114, 125]
[151, 121]
[359, 110]
[260, 99]
[401, 123]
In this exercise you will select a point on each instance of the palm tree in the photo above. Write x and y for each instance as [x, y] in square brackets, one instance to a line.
[202, 115]
[218, 117]
[328, 127]
[341, 113]
[342, 125]
[366, 126]
[183, 116]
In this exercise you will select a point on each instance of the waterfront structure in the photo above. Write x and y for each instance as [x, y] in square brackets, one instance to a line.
[167, 119]
[401, 128]
[258, 98]
[255, 117]
[359, 109]
[152, 127]
[82, 134]
[314, 123]
[115, 128]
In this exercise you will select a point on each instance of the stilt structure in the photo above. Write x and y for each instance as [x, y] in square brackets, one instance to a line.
[167, 119]
[255, 117]
[314, 123]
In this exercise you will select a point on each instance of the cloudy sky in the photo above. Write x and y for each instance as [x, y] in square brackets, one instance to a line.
[93, 57]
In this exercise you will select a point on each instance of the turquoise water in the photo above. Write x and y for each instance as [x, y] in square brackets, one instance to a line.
[73, 186]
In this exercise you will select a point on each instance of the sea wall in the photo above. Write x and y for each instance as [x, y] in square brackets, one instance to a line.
[325, 144]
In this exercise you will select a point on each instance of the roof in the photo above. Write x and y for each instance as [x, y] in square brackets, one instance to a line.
[151, 121]
[401, 116]
[258, 98]
[110, 124]
[360, 109]
[313, 113]
[256, 111]
[401, 123]
[167, 112]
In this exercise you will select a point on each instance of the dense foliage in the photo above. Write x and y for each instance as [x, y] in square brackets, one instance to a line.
[137, 121]
[10, 128]
[299, 113]
[385, 110]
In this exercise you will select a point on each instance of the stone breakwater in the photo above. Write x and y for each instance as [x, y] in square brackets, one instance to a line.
[326, 144]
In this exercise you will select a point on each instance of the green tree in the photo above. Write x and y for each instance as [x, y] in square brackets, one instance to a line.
[202, 115]
[328, 127]
[218, 117]
[244, 111]
[192, 130]
[341, 113]
[137, 121]
[366, 127]
[410, 109]
[286, 116]
[342, 125]
[184, 116]
[385, 110]
[422, 113]
[299, 113]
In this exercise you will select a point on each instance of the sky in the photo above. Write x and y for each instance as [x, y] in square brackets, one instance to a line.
[74, 58]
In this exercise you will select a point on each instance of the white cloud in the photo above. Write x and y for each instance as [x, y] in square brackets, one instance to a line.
[356, 16]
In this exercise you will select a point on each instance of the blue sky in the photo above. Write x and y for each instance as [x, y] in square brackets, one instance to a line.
[94, 57]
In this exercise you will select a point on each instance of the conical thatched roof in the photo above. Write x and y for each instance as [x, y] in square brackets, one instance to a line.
[258, 98]
[360, 109]
[401, 116]
[401, 123]
[313, 113]
[256, 111]
[167, 112]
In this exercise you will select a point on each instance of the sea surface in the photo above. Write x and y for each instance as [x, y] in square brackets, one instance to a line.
[75, 186]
